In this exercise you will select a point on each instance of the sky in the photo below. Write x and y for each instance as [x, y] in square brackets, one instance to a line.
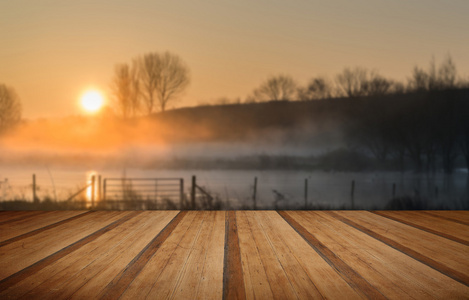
[53, 51]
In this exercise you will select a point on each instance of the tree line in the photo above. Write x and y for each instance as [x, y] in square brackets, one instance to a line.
[430, 129]
[359, 82]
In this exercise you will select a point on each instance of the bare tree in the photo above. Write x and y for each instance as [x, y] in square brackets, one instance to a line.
[163, 77]
[351, 82]
[10, 108]
[443, 77]
[377, 85]
[318, 88]
[447, 73]
[126, 90]
[361, 82]
[418, 81]
[281, 87]
[172, 80]
[148, 68]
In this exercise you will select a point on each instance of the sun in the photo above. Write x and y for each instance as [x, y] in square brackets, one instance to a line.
[92, 101]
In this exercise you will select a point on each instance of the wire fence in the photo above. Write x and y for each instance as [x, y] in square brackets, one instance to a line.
[262, 189]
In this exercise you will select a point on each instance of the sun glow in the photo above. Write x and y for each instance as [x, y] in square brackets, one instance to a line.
[92, 189]
[92, 101]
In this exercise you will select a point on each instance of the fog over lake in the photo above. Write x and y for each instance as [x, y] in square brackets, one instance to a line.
[280, 189]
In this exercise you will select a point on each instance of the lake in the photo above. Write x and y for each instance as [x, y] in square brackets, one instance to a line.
[275, 188]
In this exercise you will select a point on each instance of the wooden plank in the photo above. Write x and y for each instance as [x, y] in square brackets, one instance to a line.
[25, 225]
[442, 227]
[120, 257]
[210, 285]
[27, 256]
[233, 282]
[295, 254]
[84, 257]
[448, 257]
[256, 280]
[121, 282]
[355, 280]
[34, 227]
[281, 285]
[100, 261]
[392, 272]
[168, 282]
[55, 276]
[458, 216]
[157, 279]
[189, 282]
[13, 216]
[287, 278]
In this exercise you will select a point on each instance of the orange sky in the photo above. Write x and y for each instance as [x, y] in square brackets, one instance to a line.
[51, 50]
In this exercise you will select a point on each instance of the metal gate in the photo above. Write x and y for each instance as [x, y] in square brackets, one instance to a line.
[151, 191]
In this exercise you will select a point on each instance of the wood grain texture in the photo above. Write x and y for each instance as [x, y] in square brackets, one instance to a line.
[233, 282]
[14, 232]
[354, 279]
[445, 228]
[120, 283]
[393, 273]
[60, 278]
[292, 250]
[235, 255]
[13, 216]
[448, 257]
[459, 216]
[37, 265]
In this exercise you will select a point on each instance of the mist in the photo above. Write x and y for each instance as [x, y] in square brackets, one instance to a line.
[141, 141]
[334, 153]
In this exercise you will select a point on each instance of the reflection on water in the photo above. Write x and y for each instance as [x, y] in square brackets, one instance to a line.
[274, 189]
[91, 190]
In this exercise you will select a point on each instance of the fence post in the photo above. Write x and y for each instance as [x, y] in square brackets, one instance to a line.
[352, 194]
[254, 194]
[306, 193]
[99, 188]
[93, 183]
[156, 193]
[35, 199]
[104, 189]
[193, 192]
[181, 190]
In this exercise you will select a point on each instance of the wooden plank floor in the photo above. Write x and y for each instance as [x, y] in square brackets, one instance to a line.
[234, 255]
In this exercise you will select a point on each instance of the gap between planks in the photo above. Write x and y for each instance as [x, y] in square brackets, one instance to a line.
[440, 267]
[122, 280]
[355, 280]
[39, 265]
[421, 227]
[42, 229]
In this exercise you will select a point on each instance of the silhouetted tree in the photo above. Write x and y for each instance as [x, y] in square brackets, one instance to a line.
[377, 85]
[172, 80]
[445, 125]
[163, 77]
[126, 90]
[10, 108]
[361, 82]
[318, 88]
[443, 77]
[447, 74]
[281, 87]
[351, 82]
[463, 126]
[148, 70]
